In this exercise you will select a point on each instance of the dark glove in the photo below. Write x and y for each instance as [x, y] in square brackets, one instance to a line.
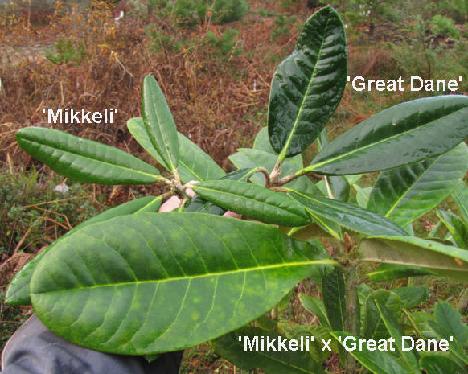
[35, 350]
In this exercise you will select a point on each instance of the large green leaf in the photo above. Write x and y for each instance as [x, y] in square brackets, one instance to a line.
[391, 322]
[308, 84]
[150, 283]
[405, 193]
[347, 215]
[334, 299]
[377, 362]
[271, 362]
[84, 160]
[404, 133]
[373, 326]
[159, 123]
[18, 292]
[194, 163]
[409, 250]
[262, 142]
[254, 201]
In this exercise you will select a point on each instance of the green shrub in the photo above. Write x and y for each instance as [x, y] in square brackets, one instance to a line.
[225, 11]
[226, 44]
[444, 26]
[67, 51]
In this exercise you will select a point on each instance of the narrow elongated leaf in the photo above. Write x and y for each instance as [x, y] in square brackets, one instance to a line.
[159, 123]
[405, 193]
[404, 133]
[315, 306]
[271, 362]
[388, 272]
[391, 322]
[334, 299]
[347, 215]
[18, 292]
[456, 227]
[308, 84]
[377, 362]
[254, 201]
[84, 160]
[194, 163]
[413, 251]
[150, 283]
[460, 196]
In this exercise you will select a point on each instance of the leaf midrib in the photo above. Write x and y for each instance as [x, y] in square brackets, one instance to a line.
[45, 144]
[285, 149]
[360, 149]
[198, 276]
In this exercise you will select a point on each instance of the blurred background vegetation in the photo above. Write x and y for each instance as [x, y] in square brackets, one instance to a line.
[214, 60]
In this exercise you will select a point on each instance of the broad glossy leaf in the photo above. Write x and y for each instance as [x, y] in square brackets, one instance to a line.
[159, 123]
[84, 160]
[254, 201]
[308, 84]
[334, 299]
[405, 193]
[412, 296]
[194, 163]
[391, 321]
[404, 133]
[347, 215]
[18, 292]
[457, 228]
[388, 272]
[439, 364]
[377, 362]
[409, 250]
[460, 195]
[231, 348]
[315, 306]
[150, 283]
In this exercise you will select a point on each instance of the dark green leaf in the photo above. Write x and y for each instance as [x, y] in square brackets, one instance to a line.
[439, 364]
[308, 85]
[202, 206]
[253, 201]
[376, 362]
[334, 299]
[460, 196]
[347, 215]
[412, 296]
[150, 283]
[290, 362]
[84, 160]
[391, 321]
[404, 133]
[159, 123]
[373, 326]
[18, 292]
[405, 193]
[409, 250]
